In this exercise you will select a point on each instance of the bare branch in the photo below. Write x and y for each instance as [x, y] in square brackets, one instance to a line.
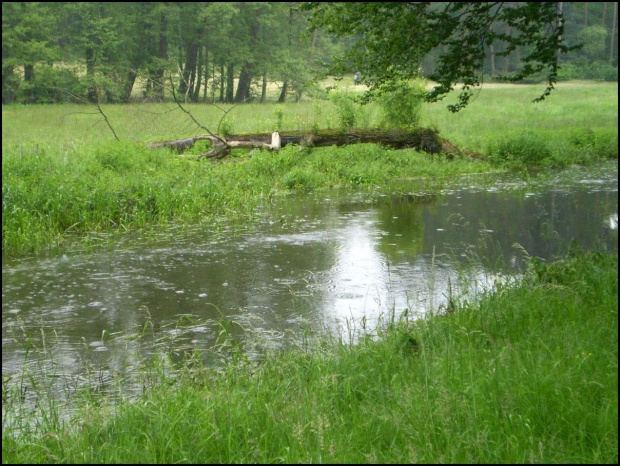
[174, 95]
[105, 117]
[226, 112]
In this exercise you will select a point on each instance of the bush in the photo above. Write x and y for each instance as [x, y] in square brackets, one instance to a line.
[226, 128]
[583, 137]
[601, 71]
[526, 148]
[582, 68]
[346, 107]
[402, 104]
[301, 178]
[606, 145]
[569, 71]
[52, 85]
[279, 117]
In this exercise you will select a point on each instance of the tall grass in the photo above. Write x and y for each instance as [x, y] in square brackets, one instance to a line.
[526, 375]
[51, 198]
[65, 177]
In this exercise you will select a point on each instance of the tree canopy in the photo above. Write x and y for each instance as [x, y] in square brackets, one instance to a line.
[54, 52]
[392, 39]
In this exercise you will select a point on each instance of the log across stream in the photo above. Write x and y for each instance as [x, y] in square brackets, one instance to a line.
[421, 139]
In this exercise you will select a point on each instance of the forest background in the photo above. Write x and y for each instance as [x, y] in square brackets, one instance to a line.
[61, 52]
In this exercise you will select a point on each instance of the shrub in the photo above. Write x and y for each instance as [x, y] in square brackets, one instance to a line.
[402, 104]
[279, 114]
[583, 138]
[300, 178]
[606, 144]
[52, 85]
[569, 71]
[226, 128]
[346, 107]
[601, 71]
[525, 148]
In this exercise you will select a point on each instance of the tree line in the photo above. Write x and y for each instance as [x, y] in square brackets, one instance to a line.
[59, 52]
[225, 52]
[591, 24]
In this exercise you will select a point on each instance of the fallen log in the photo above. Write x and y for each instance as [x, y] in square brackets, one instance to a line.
[421, 139]
[178, 145]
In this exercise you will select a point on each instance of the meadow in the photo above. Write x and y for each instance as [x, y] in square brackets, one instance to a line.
[66, 179]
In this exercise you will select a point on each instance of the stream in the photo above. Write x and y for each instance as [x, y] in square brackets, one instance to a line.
[336, 261]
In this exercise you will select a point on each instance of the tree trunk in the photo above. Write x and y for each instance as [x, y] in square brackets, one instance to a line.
[506, 63]
[613, 34]
[421, 139]
[91, 93]
[230, 83]
[158, 84]
[198, 82]
[193, 71]
[189, 70]
[263, 94]
[560, 13]
[192, 82]
[29, 73]
[245, 81]
[8, 91]
[128, 87]
[206, 83]
[282, 97]
[29, 78]
[222, 74]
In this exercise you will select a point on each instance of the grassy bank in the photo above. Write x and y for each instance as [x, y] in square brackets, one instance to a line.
[49, 198]
[64, 177]
[527, 375]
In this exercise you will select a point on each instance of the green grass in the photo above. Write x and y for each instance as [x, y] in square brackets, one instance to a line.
[65, 178]
[529, 374]
[503, 110]
[49, 199]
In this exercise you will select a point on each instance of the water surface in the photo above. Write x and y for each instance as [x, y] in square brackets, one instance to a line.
[336, 261]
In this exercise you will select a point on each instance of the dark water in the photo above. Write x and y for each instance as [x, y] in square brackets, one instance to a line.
[314, 261]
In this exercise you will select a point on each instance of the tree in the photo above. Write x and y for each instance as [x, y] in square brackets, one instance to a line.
[594, 39]
[159, 53]
[247, 30]
[613, 33]
[391, 40]
[104, 36]
[27, 39]
[100, 51]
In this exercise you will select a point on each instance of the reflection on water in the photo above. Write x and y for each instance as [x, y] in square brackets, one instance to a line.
[311, 261]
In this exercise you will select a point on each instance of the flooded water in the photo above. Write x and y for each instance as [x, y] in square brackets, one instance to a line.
[312, 261]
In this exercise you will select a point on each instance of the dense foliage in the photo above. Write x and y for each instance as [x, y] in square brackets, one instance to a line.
[463, 33]
[230, 52]
[112, 48]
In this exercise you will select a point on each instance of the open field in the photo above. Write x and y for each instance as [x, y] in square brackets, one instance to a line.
[65, 176]
[527, 375]
[496, 110]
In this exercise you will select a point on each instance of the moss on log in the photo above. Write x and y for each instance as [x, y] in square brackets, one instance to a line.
[421, 139]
